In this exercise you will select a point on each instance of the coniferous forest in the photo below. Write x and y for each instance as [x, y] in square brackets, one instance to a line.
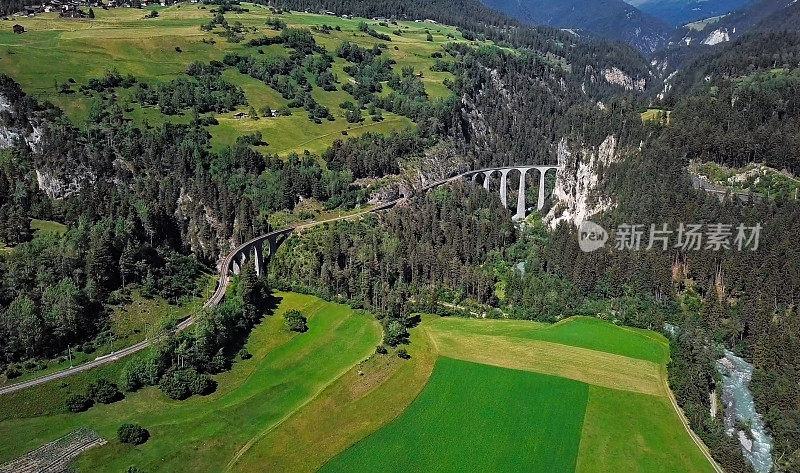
[157, 207]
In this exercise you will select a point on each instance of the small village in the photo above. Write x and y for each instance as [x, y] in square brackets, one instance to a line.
[75, 8]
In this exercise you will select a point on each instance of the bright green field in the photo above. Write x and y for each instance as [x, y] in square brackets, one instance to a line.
[54, 50]
[473, 417]
[635, 433]
[205, 433]
[582, 395]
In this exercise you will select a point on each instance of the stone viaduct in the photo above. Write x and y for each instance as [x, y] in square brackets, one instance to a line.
[263, 247]
[504, 172]
[255, 248]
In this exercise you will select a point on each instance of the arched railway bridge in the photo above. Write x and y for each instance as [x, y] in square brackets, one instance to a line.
[263, 247]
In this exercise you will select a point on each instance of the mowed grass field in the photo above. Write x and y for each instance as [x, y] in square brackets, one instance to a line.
[474, 417]
[582, 395]
[55, 50]
[286, 371]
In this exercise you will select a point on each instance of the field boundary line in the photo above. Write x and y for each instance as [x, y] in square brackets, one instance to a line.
[260, 435]
[697, 440]
[555, 359]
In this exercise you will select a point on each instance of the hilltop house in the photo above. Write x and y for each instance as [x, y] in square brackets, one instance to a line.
[71, 10]
[32, 10]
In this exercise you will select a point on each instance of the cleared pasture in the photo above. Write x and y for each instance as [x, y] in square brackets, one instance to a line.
[54, 51]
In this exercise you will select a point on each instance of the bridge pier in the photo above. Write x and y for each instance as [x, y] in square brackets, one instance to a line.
[258, 249]
[504, 187]
[542, 170]
[486, 176]
[521, 194]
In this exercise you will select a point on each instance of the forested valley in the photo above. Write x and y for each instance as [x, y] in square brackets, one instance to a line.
[155, 208]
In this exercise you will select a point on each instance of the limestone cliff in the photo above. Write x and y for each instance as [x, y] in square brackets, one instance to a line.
[14, 127]
[577, 195]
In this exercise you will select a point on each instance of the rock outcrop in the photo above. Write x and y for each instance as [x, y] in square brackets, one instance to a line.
[576, 195]
[11, 132]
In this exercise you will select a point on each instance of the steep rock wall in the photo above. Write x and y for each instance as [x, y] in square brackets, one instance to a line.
[577, 195]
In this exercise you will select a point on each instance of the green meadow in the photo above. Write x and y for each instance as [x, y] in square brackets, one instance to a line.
[473, 417]
[582, 395]
[657, 115]
[204, 433]
[54, 51]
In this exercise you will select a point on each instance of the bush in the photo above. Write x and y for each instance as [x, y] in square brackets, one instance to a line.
[202, 384]
[132, 433]
[175, 385]
[396, 333]
[104, 391]
[295, 320]
[79, 403]
[137, 373]
[180, 384]
[381, 350]
[244, 354]
[13, 372]
[402, 353]
[218, 363]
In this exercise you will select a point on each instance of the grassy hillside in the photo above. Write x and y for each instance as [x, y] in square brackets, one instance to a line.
[204, 433]
[582, 395]
[134, 319]
[55, 57]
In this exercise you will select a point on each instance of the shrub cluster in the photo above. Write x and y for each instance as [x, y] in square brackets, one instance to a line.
[79, 403]
[134, 434]
[295, 320]
[179, 384]
[99, 391]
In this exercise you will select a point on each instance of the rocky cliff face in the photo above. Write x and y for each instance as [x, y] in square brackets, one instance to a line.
[20, 124]
[14, 128]
[576, 194]
[616, 76]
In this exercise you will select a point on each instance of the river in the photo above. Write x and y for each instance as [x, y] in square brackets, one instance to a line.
[739, 405]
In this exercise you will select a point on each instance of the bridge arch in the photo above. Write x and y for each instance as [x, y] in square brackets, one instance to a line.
[521, 207]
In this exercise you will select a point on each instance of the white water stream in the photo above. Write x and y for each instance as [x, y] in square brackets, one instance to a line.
[739, 405]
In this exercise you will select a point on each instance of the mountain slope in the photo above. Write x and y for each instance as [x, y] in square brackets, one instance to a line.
[701, 37]
[680, 12]
[772, 14]
[611, 19]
